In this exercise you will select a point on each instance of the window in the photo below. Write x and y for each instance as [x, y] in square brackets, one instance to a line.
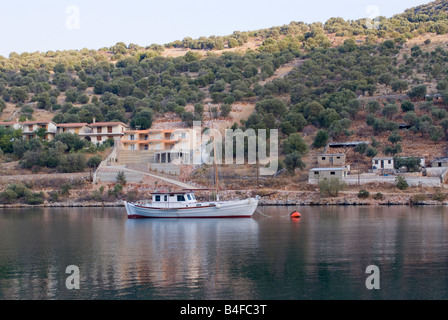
[99, 130]
[180, 198]
[324, 158]
[98, 138]
[389, 161]
[109, 129]
[157, 198]
[316, 172]
[188, 197]
[333, 173]
[376, 162]
[165, 198]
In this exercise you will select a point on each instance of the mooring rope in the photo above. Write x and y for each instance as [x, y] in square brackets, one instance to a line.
[259, 211]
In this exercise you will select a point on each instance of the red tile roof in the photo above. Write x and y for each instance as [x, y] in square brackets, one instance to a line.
[36, 122]
[103, 124]
[72, 124]
[8, 123]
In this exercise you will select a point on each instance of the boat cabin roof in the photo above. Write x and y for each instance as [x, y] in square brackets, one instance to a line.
[171, 193]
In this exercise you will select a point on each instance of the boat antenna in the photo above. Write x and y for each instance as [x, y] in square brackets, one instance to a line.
[214, 154]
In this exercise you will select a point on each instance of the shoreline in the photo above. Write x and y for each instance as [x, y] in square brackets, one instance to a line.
[322, 203]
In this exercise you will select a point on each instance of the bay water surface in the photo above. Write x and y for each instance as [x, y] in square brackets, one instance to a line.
[324, 255]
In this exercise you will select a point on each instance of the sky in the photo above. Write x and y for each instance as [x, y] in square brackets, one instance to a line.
[44, 25]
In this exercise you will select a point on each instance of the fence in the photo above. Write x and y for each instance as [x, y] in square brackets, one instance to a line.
[412, 181]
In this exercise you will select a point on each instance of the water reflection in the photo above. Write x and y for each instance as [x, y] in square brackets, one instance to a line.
[322, 255]
[189, 254]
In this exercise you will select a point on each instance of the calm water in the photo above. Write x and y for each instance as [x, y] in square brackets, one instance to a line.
[324, 255]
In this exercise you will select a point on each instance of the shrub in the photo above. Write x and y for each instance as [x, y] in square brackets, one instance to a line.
[20, 190]
[418, 198]
[121, 178]
[65, 189]
[94, 161]
[378, 196]
[331, 187]
[35, 198]
[371, 152]
[439, 196]
[74, 162]
[321, 139]
[402, 184]
[225, 110]
[363, 194]
[54, 196]
[8, 196]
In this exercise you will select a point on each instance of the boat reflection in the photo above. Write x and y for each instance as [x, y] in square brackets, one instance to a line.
[196, 252]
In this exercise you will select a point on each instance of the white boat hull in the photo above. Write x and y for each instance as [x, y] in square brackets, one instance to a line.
[225, 209]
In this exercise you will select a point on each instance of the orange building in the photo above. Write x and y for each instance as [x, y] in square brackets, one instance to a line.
[154, 139]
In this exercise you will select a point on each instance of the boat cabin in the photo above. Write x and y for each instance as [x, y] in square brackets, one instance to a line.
[173, 199]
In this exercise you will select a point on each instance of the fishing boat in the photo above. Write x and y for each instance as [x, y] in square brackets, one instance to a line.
[184, 204]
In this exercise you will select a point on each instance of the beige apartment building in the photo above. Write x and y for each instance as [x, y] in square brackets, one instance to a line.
[29, 129]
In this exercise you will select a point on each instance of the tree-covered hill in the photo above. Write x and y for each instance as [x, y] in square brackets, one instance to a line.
[353, 81]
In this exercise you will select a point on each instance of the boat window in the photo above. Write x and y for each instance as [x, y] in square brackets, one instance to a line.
[189, 197]
[157, 198]
[192, 197]
[165, 198]
[180, 198]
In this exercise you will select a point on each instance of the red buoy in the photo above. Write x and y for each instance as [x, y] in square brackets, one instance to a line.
[295, 215]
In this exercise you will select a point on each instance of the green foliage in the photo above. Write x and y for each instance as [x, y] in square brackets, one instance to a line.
[363, 194]
[142, 119]
[439, 196]
[121, 178]
[321, 139]
[294, 161]
[361, 148]
[65, 189]
[378, 196]
[273, 106]
[407, 106]
[371, 152]
[22, 194]
[419, 198]
[71, 141]
[399, 85]
[402, 184]
[94, 161]
[73, 162]
[295, 143]
[411, 164]
[331, 187]
[394, 137]
[418, 92]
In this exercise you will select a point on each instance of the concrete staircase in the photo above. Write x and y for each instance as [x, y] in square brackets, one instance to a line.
[136, 168]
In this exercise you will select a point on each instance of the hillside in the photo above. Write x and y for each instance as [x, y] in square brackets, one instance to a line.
[341, 77]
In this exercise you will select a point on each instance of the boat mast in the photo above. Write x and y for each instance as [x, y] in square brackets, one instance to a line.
[214, 154]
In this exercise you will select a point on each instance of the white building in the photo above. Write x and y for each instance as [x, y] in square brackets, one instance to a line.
[383, 163]
[30, 127]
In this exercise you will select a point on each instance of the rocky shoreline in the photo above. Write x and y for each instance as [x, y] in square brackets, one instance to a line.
[395, 201]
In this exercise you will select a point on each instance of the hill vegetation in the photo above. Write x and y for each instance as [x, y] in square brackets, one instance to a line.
[352, 80]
